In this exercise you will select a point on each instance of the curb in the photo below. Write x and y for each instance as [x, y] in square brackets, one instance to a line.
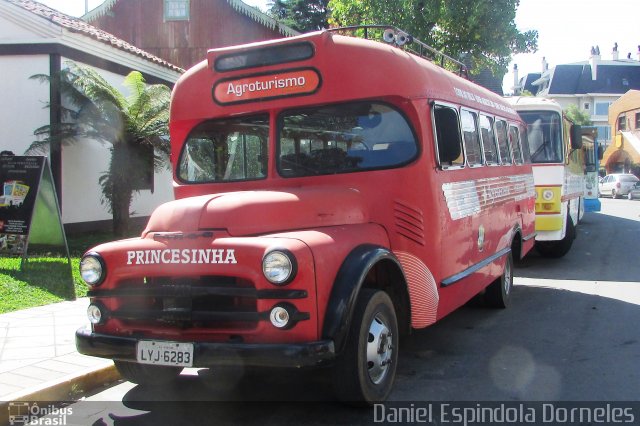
[64, 389]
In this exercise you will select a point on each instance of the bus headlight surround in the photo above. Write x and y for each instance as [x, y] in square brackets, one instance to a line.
[279, 267]
[92, 269]
[96, 313]
[547, 195]
[279, 317]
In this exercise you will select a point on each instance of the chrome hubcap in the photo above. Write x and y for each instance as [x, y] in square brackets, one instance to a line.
[379, 349]
[507, 278]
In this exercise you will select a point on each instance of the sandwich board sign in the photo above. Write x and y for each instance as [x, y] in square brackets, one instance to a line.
[29, 210]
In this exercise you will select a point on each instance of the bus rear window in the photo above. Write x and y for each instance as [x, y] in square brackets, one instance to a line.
[343, 138]
[226, 150]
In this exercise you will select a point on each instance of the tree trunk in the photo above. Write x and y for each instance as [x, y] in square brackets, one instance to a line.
[122, 191]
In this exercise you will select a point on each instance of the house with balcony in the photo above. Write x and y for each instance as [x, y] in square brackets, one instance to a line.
[623, 154]
[591, 85]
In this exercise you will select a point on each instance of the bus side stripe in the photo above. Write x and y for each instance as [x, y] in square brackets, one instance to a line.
[474, 268]
[467, 198]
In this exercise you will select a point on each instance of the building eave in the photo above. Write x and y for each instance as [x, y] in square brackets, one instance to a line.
[98, 11]
[261, 18]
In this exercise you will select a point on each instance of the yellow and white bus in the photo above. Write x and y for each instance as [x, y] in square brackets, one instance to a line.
[558, 161]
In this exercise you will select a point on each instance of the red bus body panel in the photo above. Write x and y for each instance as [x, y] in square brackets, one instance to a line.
[410, 210]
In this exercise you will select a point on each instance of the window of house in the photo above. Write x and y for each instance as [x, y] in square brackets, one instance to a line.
[604, 133]
[637, 126]
[622, 123]
[469, 121]
[602, 108]
[176, 10]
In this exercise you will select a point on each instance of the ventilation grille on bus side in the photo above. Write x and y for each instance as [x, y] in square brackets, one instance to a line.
[409, 222]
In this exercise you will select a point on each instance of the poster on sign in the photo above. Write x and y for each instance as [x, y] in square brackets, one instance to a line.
[29, 211]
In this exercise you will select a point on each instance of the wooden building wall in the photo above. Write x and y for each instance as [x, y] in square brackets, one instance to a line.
[212, 23]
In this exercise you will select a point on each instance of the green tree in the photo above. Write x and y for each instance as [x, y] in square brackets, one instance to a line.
[484, 29]
[574, 114]
[303, 16]
[135, 127]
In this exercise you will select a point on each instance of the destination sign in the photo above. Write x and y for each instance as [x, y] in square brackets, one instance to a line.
[269, 86]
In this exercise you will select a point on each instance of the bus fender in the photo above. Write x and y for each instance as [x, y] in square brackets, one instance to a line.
[346, 288]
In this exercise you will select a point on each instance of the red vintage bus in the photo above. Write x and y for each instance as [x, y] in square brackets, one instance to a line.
[332, 194]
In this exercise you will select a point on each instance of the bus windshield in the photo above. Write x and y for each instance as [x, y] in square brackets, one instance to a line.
[343, 138]
[226, 150]
[544, 130]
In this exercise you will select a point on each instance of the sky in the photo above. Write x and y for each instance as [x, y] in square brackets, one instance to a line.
[566, 29]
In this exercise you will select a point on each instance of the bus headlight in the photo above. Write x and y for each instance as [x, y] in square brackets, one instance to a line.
[95, 314]
[92, 269]
[279, 267]
[547, 195]
[279, 317]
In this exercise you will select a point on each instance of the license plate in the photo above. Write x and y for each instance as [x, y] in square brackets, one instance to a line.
[176, 354]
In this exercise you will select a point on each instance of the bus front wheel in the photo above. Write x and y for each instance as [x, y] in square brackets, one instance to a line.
[365, 371]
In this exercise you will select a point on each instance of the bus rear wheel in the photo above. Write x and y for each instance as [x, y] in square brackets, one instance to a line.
[365, 371]
[556, 249]
[498, 293]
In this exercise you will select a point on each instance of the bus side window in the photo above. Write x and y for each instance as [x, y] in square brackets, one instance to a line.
[524, 143]
[448, 138]
[469, 121]
[514, 141]
[488, 140]
[503, 142]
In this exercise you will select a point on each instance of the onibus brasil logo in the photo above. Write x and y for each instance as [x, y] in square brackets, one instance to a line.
[31, 413]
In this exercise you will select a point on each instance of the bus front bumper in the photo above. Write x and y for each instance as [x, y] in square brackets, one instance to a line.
[208, 354]
[549, 222]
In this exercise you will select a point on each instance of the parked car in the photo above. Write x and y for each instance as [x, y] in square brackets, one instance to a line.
[617, 184]
[634, 192]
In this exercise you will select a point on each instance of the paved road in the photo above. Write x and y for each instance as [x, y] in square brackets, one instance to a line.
[571, 334]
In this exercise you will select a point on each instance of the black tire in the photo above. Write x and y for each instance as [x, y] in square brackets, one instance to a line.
[365, 371]
[498, 293]
[149, 375]
[614, 194]
[557, 249]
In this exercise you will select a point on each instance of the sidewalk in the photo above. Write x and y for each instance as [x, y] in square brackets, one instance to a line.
[38, 357]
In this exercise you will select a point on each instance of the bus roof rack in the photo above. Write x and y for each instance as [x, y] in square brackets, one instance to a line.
[400, 38]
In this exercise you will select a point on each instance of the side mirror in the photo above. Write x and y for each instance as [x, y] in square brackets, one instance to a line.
[576, 136]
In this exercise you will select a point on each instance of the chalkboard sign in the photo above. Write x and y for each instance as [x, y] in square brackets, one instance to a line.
[29, 211]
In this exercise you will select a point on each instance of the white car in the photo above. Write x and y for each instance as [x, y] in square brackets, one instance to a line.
[617, 184]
